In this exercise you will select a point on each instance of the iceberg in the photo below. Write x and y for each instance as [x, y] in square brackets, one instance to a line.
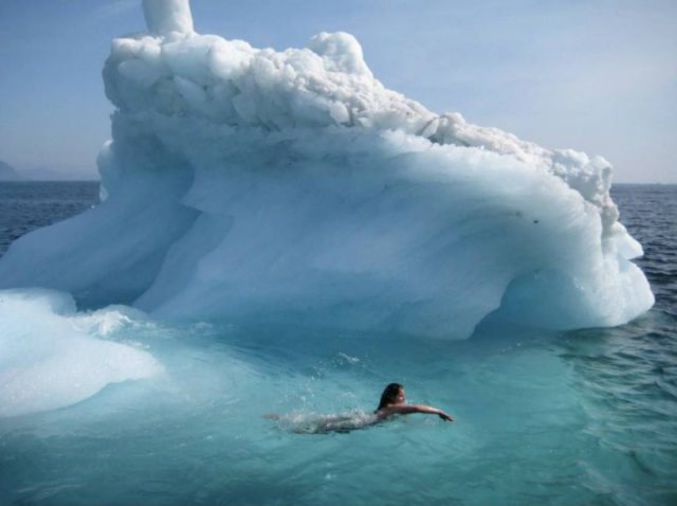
[251, 185]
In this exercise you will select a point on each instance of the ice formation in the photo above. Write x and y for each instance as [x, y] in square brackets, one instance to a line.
[252, 185]
[51, 357]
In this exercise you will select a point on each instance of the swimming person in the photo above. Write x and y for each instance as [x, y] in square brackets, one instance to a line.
[393, 402]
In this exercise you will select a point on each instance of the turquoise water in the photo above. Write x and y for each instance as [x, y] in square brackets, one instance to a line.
[586, 417]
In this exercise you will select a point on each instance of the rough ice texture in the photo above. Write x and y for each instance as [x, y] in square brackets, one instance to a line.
[249, 184]
[166, 16]
[51, 357]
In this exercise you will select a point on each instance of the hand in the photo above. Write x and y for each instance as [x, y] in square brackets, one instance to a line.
[445, 417]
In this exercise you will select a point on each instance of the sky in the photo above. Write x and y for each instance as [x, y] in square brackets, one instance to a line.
[597, 75]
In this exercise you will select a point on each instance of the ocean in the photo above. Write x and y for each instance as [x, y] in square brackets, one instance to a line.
[581, 417]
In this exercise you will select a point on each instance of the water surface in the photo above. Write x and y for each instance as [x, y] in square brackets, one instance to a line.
[585, 417]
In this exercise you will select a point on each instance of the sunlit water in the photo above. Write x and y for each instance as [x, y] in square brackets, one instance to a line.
[587, 417]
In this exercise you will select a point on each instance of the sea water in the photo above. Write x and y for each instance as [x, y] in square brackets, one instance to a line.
[586, 417]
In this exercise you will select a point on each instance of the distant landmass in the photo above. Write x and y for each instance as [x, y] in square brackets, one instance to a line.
[9, 173]
[43, 174]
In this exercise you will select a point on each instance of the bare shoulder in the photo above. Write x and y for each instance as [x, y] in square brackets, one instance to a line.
[384, 413]
[397, 409]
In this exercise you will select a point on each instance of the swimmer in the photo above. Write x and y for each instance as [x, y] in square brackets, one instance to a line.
[393, 402]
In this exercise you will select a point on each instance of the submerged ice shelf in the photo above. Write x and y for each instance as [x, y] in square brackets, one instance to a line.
[51, 356]
[247, 185]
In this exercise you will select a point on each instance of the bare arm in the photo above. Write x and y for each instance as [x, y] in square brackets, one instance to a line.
[407, 409]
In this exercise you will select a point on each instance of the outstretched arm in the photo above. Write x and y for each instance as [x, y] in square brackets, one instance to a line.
[407, 409]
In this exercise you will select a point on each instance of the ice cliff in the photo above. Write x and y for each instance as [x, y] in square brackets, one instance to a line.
[247, 184]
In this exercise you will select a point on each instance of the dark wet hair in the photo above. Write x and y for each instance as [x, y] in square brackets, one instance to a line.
[389, 395]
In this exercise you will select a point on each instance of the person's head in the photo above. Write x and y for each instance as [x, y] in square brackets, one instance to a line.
[392, 394]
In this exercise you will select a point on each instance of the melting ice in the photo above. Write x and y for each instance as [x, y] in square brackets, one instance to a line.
[246, 184]
[51, 357]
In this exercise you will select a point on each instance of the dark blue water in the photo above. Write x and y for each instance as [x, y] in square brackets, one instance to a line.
[585, 417]
[25, 206]
[650, 214]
